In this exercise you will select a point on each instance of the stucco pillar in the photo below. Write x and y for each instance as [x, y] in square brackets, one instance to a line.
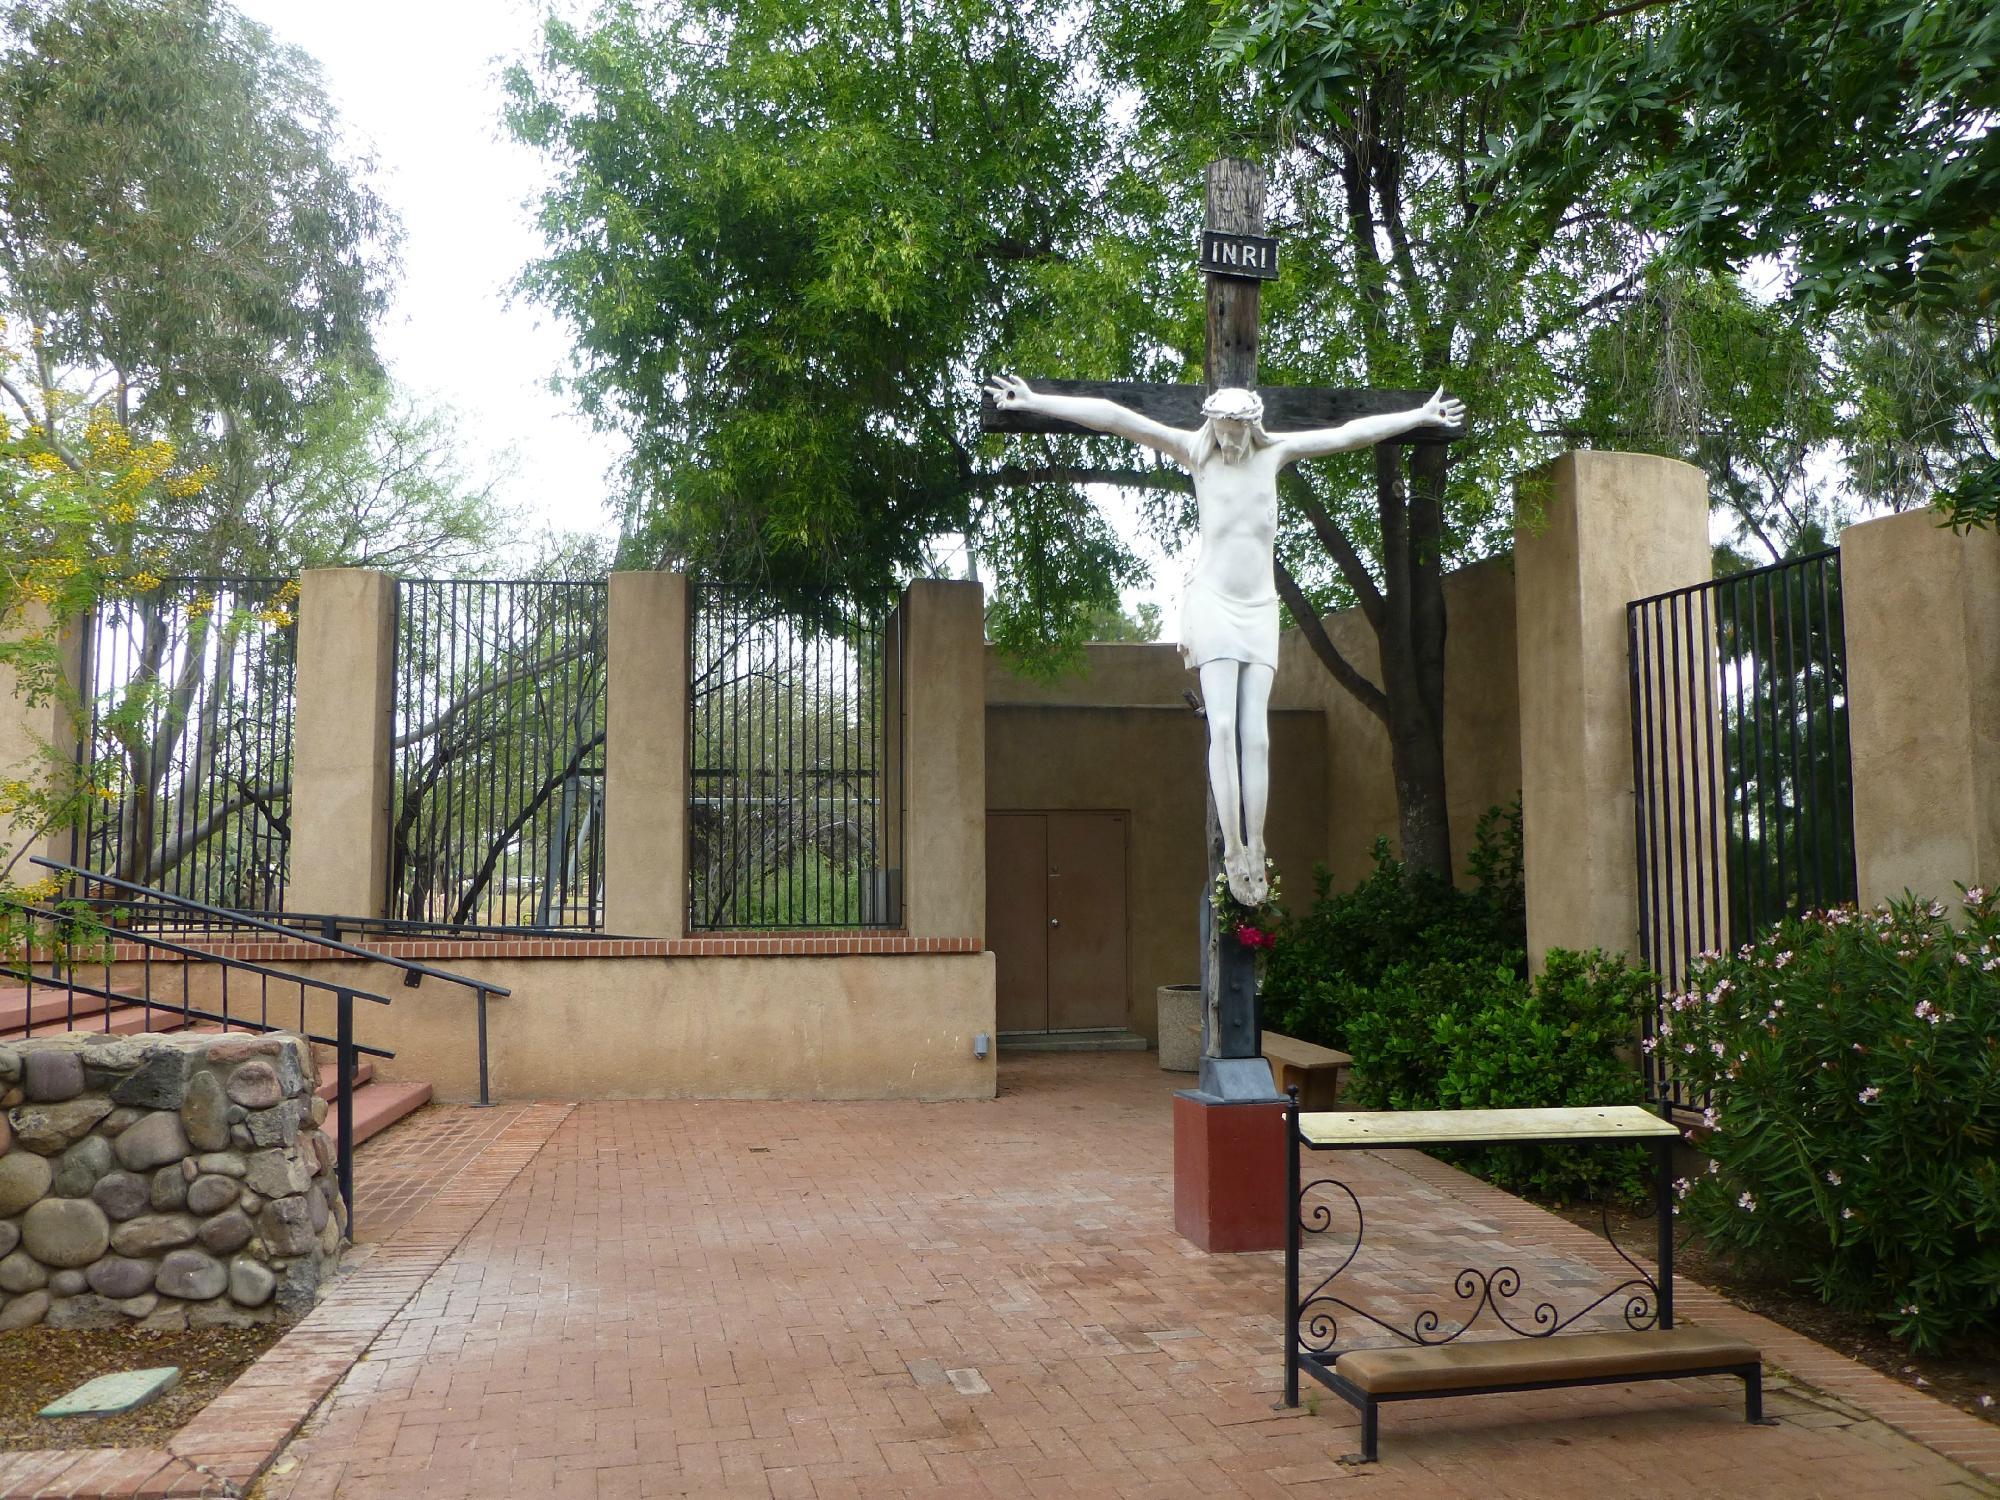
[942, 632]
[1596, 531]
[340, 751]
[645, 757]
[1922, 612]
[31, 735]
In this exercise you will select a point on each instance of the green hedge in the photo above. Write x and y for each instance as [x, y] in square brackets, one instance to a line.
[1426, 986]
[1851, 1061]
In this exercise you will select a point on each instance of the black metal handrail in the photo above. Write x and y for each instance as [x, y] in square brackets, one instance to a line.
[333, 924]
[414, 973]
[63, 974]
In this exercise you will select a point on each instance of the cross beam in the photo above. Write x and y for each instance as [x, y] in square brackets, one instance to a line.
[1286, 408]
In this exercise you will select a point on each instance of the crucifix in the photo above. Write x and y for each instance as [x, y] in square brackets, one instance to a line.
[1234, 442]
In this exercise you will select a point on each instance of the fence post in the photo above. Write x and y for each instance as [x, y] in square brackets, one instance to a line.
[340, 750]
[645, 756]
[942, 634]
[1595, 531]
[1922, 608]
[29, 733]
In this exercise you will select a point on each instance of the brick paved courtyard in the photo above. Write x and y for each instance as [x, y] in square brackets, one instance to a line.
[823, 1300]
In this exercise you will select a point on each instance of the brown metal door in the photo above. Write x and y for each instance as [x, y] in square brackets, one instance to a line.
[1017, 917]
[1086, 916]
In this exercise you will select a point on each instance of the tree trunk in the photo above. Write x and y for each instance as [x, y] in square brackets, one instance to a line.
[1411, 638]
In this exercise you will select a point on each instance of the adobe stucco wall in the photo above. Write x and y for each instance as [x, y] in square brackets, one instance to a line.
[1922, 612]
[1482, 732]
[1145, 759]
[865, 1026]
[28, 733]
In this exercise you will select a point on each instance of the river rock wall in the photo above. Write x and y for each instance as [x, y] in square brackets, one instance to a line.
[170, 1181]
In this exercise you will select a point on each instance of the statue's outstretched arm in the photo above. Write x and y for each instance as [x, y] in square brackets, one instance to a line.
[1012, 393]
[1365, 432]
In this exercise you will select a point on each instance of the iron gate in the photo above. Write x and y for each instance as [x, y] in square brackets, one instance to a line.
[794, 767]
[189, 699]
[1744, 812]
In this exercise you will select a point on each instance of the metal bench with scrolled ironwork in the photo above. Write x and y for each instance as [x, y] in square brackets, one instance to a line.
[1430, 1362]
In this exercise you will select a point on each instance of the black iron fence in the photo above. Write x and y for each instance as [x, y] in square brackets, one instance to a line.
[794, 769]
[1745, 808]
[189, 693]
[499, 753]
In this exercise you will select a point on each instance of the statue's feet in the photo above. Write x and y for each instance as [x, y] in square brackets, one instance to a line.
[1256, 886]
[1246, 880]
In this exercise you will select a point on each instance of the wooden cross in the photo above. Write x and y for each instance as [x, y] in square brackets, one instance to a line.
[1232, 1061]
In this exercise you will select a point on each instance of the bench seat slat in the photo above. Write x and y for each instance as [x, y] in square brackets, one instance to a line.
[1577, 1357]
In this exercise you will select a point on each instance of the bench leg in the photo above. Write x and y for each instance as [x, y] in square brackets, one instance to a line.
[1369, 1421]
[1753, 1394]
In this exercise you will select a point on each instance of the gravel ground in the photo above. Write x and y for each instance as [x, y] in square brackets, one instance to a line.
[40, 1364]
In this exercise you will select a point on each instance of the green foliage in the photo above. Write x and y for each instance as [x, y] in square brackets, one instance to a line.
[1854, 140]
[1467, 1034]
[1328, 960]
[1698, 369]
[174, 208]
[1426, 986]
[1852, 1064]
[790, 237]
[1142, 625]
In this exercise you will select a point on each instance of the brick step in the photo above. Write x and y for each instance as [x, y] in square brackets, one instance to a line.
[126, 1020]
[50, 1002]
[379, 1104]
[329, 1076]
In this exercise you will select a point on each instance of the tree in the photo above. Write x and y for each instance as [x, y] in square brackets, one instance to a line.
[1696, 368]
[193, 264]
[75, 490]
[790, 242]
[789, 238]
[1852, 138]
[1422, 258]
[176, 216]
[365, 476]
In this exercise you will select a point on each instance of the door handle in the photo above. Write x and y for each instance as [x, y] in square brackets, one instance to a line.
[1055, 921]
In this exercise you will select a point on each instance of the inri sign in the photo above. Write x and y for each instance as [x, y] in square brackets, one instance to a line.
[1227, 254]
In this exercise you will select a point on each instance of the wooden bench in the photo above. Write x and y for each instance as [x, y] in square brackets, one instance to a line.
[1319, 1073]
[1368, 1377]
[1648, 1348]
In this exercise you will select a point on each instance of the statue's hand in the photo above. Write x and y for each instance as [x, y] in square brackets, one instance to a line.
[1442, 410]
[1010, 393]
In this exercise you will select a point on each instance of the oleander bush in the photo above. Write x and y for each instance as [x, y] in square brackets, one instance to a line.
[1851, 1065]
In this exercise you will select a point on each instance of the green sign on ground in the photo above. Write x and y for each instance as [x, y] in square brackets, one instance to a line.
[108, 1395]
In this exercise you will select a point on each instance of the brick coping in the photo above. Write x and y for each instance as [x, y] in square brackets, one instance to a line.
[237, 1435]
[1964, 1439]
[775, 945]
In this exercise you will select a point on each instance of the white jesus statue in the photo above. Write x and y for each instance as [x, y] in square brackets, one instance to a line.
[1229, 622]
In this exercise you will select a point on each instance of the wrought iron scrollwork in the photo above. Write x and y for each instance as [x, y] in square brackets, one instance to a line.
[1317, 1318]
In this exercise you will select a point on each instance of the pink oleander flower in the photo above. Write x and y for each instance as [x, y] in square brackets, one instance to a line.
[1870, 1094]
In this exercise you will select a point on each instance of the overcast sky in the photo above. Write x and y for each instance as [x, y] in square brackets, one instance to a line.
[415, 83]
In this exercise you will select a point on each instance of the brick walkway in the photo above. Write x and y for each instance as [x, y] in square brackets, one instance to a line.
[399, 1172]
[823, 1300]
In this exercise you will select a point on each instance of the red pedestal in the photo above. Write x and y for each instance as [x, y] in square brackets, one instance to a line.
[1229, 1174]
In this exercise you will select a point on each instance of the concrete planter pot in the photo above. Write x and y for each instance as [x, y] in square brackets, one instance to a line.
[1180, 1027]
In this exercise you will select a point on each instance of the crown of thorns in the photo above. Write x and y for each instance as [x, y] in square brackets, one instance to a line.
[1235, 404]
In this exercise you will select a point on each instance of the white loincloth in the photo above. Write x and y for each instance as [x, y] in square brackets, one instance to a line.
[1218, 627]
